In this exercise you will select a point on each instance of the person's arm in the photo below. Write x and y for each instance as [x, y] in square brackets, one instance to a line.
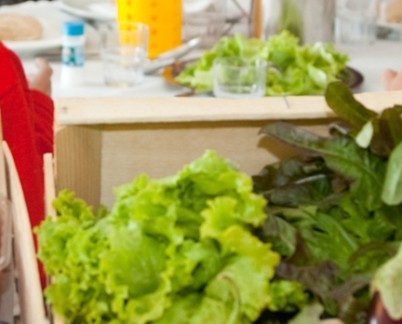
[37, 89]
[27, 117]
[43, 121]
[40, 88]
[41, 81]
[392, 80]
[27, 120]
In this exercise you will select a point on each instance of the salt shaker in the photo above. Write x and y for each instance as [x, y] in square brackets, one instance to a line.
[73, 55]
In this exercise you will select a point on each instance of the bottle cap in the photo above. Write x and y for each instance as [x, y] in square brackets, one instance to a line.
[73, 28]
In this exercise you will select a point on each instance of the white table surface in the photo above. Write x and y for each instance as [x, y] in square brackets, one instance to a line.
[373, 60]
[370, 60]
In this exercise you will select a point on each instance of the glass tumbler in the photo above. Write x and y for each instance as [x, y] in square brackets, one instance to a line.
[356, 21]
[239, 78]
[124, 49]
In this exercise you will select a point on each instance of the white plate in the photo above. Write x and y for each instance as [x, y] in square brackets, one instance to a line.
[51, 38]
[52, 28]
[90, 9]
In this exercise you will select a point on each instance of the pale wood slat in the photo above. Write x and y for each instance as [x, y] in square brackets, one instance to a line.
[84, 111]
[30, 290]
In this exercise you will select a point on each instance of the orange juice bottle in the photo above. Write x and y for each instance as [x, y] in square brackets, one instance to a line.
[163, 17]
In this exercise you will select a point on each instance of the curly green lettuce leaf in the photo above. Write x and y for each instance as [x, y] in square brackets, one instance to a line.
[309, 315]
[287, 296]
[293, 69]
[175, 250]
[392, 188]
[199, 75]
[388, 283]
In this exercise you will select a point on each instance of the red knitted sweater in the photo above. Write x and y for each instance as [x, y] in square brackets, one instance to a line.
[27, 121]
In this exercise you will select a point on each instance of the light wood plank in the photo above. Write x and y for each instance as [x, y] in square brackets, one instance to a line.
[30, 290]
[50, 189]
[78, 161]
[3, 182]
[80, 111]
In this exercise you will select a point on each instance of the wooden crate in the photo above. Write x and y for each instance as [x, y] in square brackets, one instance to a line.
[102, 143]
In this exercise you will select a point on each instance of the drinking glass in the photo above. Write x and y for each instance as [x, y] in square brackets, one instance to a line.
[356, 21]
[124, 52]
[239, 78]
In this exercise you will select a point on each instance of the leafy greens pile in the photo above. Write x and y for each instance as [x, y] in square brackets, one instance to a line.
[335, 211]
[292, 69]
[175, 250]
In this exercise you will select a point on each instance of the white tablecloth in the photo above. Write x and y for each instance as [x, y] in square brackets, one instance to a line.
[370, 60]
[373, 60]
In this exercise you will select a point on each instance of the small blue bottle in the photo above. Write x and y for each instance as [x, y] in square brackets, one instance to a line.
[73, 53]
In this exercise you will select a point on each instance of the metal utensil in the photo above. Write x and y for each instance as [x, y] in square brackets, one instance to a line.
[151, 66]
[169, 57]
[181, 50]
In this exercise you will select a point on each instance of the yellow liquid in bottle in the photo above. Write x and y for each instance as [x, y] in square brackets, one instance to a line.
[163, 17]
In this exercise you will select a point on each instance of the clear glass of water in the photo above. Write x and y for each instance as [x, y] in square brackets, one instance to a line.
[239, 78]
[124, 52]
[356, 21]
